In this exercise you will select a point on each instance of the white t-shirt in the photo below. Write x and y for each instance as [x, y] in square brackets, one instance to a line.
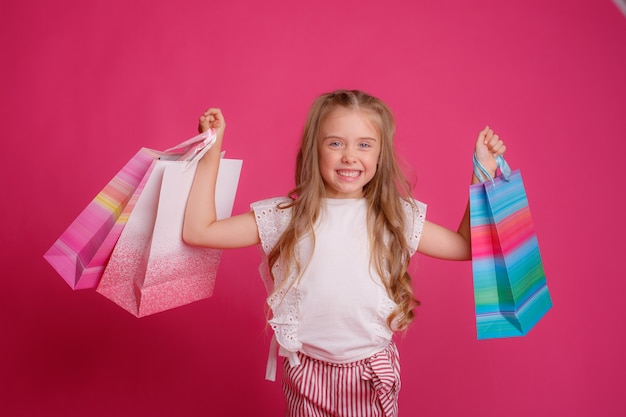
[337, 310]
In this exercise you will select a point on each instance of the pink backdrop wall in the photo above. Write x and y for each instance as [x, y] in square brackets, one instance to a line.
[84, 84]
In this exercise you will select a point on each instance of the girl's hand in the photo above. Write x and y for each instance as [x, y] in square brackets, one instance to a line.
[488, 147]
[212, 119]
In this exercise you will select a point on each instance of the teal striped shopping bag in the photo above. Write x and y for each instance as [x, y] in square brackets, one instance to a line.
[510, 290]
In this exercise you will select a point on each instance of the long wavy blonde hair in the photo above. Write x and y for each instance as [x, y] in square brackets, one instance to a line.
[385, 195]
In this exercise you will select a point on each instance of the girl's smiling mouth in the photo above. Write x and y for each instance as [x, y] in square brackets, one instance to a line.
[348, 173]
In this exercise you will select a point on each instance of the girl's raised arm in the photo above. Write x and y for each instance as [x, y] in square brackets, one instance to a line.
[201, 227]
[440, 242]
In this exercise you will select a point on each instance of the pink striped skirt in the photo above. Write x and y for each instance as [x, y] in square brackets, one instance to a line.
[365, 388]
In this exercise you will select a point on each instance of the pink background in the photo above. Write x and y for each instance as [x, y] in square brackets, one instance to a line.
[86, 83]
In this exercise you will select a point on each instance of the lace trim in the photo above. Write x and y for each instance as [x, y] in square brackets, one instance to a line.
[284, 303]
[271, 221]
[285, 306]
[385, 307]
[416, 215]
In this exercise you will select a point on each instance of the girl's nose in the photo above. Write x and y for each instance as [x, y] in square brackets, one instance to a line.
[348, 157]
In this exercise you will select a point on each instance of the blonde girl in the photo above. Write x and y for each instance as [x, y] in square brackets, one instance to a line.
[336, 251]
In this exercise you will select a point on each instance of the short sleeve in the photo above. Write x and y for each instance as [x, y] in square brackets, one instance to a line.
[271, 220]
[415, 212]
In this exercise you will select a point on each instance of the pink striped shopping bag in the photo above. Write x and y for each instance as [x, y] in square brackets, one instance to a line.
[82, 251]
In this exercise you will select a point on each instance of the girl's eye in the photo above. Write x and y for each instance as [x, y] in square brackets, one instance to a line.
[365, 145]
[335, 144]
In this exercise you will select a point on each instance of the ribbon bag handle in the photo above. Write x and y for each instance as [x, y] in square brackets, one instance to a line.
[193, 149]
[483, 175]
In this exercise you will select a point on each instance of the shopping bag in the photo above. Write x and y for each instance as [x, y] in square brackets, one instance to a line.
[510, 290]
[80, 254]
[151, 269]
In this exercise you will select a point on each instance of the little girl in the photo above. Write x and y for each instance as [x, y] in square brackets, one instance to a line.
[337, 250]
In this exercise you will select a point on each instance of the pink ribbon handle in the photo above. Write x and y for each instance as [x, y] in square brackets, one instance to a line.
[193, 149]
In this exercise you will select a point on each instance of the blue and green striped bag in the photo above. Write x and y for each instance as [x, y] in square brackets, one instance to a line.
[510, 290]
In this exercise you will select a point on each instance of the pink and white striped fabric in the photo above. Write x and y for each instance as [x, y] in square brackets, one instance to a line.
[365, 388]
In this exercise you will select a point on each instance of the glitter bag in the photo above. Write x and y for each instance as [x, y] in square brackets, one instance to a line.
[510, 291]
[151, 269]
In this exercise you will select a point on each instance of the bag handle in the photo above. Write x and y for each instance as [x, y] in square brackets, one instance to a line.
[483, 175]
[193, 149]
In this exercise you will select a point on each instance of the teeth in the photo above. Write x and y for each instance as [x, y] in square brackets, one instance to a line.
[349, 173]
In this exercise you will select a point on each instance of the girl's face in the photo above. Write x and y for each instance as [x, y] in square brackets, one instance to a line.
[348, 148]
